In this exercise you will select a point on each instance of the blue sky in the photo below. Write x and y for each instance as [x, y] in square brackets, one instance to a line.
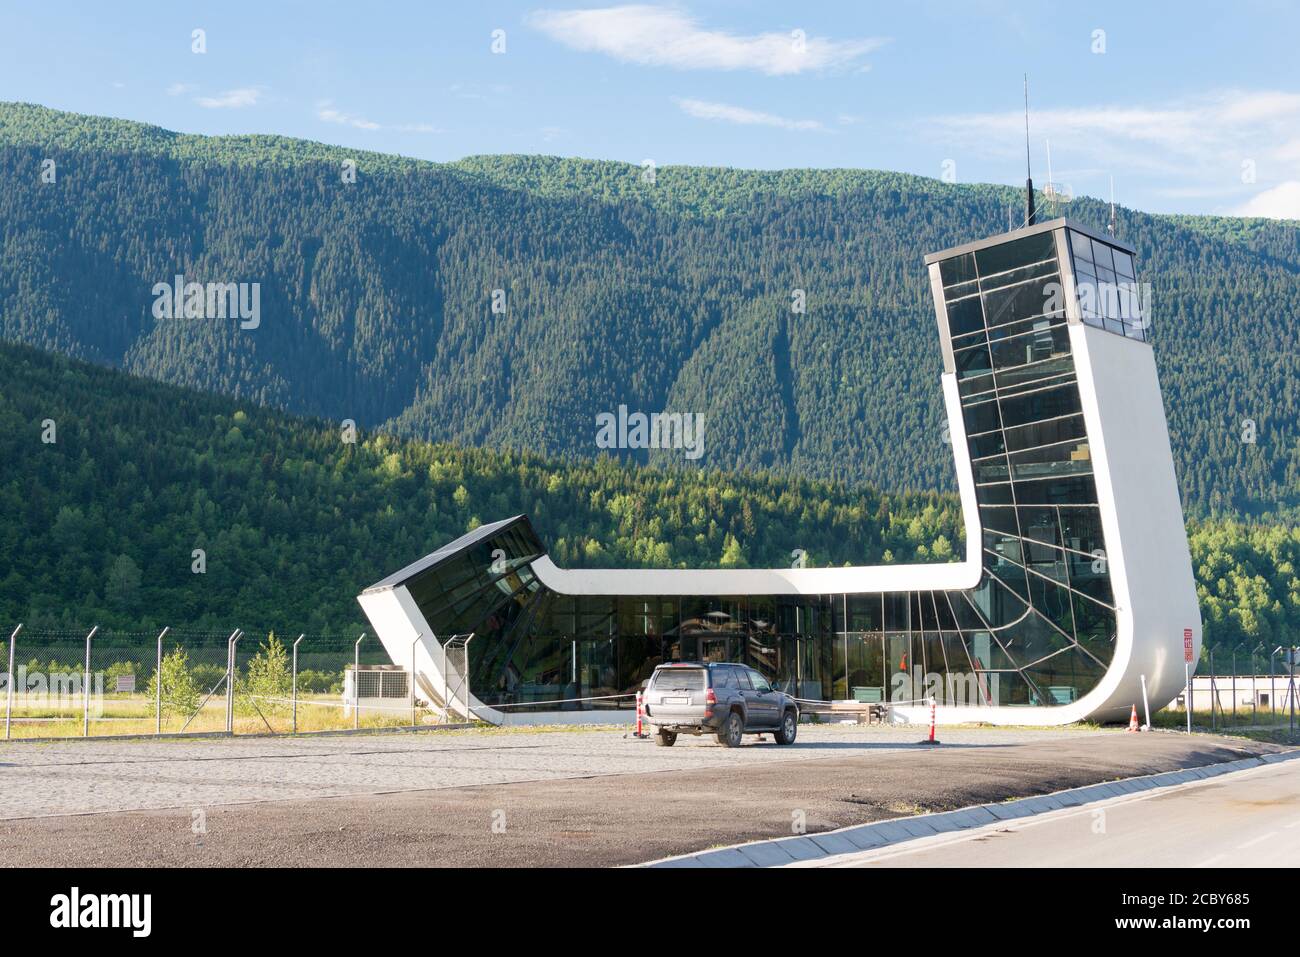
[1191, 107]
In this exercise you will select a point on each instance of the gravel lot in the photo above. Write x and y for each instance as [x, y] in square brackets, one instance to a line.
[556, 797]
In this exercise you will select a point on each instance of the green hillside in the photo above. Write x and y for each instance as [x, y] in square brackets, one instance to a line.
[376, 299]
[100, 524]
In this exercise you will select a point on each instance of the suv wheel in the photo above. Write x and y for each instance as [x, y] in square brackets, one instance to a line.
[666, 739]
[732, 729]
[789, 728]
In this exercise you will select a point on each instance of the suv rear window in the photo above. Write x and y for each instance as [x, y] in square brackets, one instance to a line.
[724, 677]
[679, 679]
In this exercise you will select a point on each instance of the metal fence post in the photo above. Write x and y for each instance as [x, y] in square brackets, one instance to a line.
[1214, 694]
[295, 683]
[1272, 681]
[9, 694]
[446, 708]
[356, 682]
[1234, 685]
[469, 714]
[1290, 684]
[231, 643]
[157, 680]
[85, 688]
[1254, 691]
[411, 679]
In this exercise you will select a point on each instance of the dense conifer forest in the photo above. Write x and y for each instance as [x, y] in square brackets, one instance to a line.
[672, 291]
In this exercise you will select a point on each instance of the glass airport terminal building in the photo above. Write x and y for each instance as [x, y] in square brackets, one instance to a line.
[1076, 583]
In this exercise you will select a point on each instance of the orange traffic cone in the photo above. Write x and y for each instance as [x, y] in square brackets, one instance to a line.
[1133, 720]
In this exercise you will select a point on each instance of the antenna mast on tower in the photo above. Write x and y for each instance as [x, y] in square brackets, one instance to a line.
[1029, 176]
[1111, 227]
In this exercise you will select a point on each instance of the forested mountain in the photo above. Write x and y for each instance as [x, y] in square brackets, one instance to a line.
[665, 292]
[100, 524]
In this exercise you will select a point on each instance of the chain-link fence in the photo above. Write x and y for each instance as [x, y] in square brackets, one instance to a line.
[1246, 688]
[73, 683]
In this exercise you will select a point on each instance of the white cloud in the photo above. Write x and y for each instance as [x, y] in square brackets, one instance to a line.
[180, 89]
[231, 99]
[325, 111]
[661, 36]
[1280, 202]
[726, 113]
[1203, 145]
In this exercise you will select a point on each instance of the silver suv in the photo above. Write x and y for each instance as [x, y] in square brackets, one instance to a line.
[719, 698]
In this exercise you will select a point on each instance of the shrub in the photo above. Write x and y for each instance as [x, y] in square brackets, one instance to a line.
[180, 692]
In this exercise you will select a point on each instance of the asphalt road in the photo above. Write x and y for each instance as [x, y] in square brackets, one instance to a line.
[1246, 819]
[522, 798]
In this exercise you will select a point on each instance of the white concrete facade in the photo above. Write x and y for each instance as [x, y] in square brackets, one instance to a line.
[1157, 619]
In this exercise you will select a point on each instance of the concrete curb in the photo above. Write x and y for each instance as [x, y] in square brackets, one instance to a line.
[864, 837]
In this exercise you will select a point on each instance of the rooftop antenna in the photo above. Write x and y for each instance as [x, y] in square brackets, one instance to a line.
[1029, 176]
[1050, 189]
[1111, 228]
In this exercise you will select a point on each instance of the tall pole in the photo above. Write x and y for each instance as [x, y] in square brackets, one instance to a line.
[356, 682]
[1146, 705]
[295, 683]
[231, 643]
[1234, 685]
[1254, 692]
[9, 703]
[157, 681]
[411, 680]
[1291, 685]
[1030, 215]
[1272, 679]
[1187, 669]
[85, 688]
[446, 705]
[1214, 694]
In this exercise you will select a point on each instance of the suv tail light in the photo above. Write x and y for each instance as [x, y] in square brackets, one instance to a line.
[710, 697]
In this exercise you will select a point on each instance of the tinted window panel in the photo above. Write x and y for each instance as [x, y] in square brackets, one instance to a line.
[1037, 324]
[1035, 347]
[981, 417]
[1081, 246]
[1021, 252]
[965, 316]
[1079, 488]
[1036, 406]
[1022, 302]
[1056, 371]
[1036, 271]
[1124, 264]
[984, 445]
[1082, 529]
[958, 269]
[972, 362]
[977, 385]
